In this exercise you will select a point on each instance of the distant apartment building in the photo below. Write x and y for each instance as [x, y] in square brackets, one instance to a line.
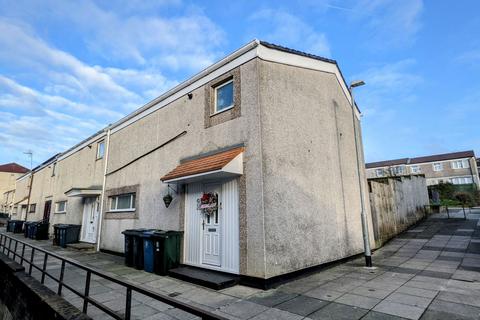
[456, 168]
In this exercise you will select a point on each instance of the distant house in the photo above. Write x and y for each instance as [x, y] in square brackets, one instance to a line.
[9, 172]
[456, 168]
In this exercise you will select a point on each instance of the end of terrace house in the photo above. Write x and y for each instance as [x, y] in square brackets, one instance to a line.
[267, 136]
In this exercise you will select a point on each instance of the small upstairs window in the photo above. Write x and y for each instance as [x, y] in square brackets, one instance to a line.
[54, 169]
[437, 166]
[224, 96]
[415, 169]
[460, 164]
[379, 172]
[32, 208]
[100, 149]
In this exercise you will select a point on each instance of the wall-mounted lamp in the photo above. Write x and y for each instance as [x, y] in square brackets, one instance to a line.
[167, 199]
[190, 95]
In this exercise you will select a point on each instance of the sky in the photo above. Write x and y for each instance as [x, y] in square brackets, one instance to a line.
[69, 68]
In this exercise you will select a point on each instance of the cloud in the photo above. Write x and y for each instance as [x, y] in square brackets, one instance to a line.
[57, 90]
[470, 57]
[287, 29]
[136, 33]
[390, 23]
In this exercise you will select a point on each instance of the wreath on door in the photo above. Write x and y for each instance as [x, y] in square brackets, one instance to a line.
[208, 203]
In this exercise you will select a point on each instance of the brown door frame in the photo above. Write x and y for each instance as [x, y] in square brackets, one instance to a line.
[46, 211]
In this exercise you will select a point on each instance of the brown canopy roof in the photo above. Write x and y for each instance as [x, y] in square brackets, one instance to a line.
[204, 164]
[13, 168]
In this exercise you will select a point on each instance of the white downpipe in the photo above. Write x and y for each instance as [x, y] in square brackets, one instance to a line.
[102, 197]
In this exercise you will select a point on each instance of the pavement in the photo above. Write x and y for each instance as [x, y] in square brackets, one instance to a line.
[431, 271]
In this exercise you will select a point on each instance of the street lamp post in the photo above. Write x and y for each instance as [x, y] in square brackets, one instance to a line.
[366, 240]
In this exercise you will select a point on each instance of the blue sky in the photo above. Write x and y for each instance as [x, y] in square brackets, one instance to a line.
[68, 68]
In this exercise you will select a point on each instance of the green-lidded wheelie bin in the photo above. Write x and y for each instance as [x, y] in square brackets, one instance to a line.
[167, 250]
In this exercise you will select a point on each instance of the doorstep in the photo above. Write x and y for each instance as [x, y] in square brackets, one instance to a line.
[208, 278]
[82, 246]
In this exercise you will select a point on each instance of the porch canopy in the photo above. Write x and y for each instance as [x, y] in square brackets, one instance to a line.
[84, 192]
[220, 165]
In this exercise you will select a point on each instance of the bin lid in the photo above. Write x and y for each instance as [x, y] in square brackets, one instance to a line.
[136, 232]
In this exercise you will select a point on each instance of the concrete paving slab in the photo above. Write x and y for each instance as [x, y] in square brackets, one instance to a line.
[271, 298]
[240, 291]
[411, 300]
[371, 292]
[417, 291]
[374, 315]
[277, 314]
[243, 309]
[324, 294]
[455, 308]
[338, 311]
[358, 301]
[302, 305]
[400, 310]
[459, 298]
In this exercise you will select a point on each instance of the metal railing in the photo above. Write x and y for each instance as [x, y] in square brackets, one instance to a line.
[129, 286]
[447, 209]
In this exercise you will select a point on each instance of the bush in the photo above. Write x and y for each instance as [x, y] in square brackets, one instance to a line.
[453, 195]
[465, 198]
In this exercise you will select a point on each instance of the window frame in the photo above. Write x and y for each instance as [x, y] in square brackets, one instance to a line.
[437, 163]
[415, 169]
[54, 169]
[460, 164]
[64, 209]
[34, 206]
[215, 90]
[132, 207]
[399, 170]
[102, 142]
[377, 171]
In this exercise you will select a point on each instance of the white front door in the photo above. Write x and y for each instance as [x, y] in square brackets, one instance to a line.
[90, 219]
[211, 228]
[212, 242]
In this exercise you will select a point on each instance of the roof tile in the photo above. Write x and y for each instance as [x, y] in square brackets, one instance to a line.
[204, 164]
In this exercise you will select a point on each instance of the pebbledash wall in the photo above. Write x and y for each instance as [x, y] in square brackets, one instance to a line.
[299, 194]
[298, 197]
[396, 204]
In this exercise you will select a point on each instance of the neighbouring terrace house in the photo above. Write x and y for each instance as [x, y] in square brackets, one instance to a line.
[9, 173]
[456, 168]
[267, 134]
[254, 159]
[67, 188]
[79, 174]
[35, 192]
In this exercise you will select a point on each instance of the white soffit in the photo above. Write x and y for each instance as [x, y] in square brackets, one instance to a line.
[77, 192]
